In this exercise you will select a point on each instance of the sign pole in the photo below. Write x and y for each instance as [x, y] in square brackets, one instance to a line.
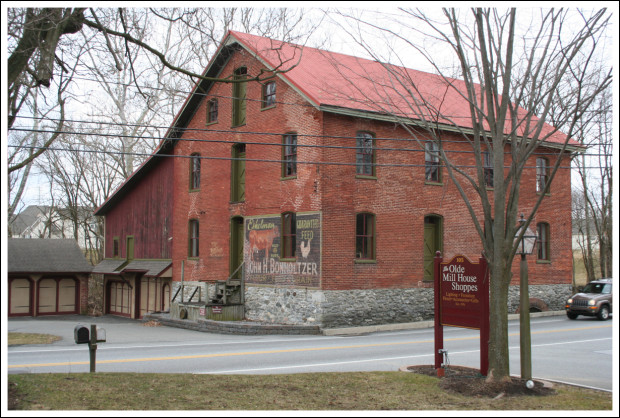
[438, 326]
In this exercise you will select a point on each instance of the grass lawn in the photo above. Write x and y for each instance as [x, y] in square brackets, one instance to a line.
[312, 391]
[17, 338]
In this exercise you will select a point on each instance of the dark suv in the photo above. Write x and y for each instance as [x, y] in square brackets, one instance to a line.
[595, 299]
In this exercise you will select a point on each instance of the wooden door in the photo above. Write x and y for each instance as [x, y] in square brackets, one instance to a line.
[20, 297]
[432, 244]
[236, 244]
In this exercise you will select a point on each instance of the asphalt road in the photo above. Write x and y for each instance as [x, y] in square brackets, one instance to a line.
[577, 352]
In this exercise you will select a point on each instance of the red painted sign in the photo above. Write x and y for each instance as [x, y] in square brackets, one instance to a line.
[461, 291]
[462, 300]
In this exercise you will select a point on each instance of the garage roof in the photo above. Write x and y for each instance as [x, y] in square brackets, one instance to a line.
[46, 256]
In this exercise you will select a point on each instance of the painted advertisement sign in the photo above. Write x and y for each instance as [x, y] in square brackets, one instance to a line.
[263, 251]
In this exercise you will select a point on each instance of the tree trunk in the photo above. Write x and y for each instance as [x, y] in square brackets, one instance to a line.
[499, 367]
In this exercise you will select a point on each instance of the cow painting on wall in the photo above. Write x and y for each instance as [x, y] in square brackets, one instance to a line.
[283, 250]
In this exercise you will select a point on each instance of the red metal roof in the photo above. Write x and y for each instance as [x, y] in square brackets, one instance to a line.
[347, 82]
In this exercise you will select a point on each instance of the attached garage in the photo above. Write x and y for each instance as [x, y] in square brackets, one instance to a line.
[47, 277]
[135, 287]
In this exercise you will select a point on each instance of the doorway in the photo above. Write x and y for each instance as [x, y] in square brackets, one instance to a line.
[236, 245]
[433, 242]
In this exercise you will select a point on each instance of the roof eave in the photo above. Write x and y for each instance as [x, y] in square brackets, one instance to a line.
[385, 117]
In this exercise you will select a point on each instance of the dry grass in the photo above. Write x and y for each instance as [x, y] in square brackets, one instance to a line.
[17, 338]
[312, 391]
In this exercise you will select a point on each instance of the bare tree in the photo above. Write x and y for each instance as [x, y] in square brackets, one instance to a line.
[510, 78]
[38, 38]
[595, 192]
[141, 78]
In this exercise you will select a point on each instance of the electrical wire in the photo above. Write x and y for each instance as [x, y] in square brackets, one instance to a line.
[279, 161]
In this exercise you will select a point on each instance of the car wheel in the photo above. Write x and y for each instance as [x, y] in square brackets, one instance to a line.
[571, 315]
[603, 313]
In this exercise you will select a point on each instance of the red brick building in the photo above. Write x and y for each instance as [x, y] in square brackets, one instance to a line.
[332, 206]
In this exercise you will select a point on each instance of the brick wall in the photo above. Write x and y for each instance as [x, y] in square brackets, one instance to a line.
[398, 196]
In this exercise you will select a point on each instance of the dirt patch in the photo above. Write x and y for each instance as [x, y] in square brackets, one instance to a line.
[13, 398]
[469, 382]
[152, 323]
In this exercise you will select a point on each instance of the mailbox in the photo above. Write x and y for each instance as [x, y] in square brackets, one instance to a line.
[100, 336]
[81, 334]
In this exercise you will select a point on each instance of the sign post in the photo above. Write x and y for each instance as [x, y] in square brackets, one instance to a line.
[462, 300]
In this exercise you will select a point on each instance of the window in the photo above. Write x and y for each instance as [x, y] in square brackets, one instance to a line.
[269, 95]
[543, 241]
[194, 176]
[365, 236]
[239, 97]
[431, 162]
[194, 234]
[488, 169]
[115, 247]
[542, 174]
[289, 157]
[212, 108]
[237, 189]
[289, 235]
[365, 155]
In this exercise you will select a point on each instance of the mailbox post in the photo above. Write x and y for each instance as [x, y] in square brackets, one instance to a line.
[82, 335]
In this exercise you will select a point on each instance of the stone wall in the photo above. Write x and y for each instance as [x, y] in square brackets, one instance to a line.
[345, 308]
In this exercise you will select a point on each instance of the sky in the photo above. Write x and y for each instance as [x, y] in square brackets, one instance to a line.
[38, 191]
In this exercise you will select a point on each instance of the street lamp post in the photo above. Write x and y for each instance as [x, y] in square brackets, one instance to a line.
[526, 246]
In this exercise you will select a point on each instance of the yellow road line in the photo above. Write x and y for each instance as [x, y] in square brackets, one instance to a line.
[293, 350]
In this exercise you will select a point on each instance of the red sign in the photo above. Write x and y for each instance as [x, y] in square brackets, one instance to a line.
[216, 309]
[462, 300]
[461, 291]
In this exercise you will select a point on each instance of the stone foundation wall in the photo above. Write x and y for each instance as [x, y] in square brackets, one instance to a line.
[347, 308]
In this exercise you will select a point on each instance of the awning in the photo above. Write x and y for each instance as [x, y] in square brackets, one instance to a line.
[151, 268]
[109, 266]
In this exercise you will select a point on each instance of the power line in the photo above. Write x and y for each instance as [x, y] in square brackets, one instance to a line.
[279, 161]
[278, 144]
